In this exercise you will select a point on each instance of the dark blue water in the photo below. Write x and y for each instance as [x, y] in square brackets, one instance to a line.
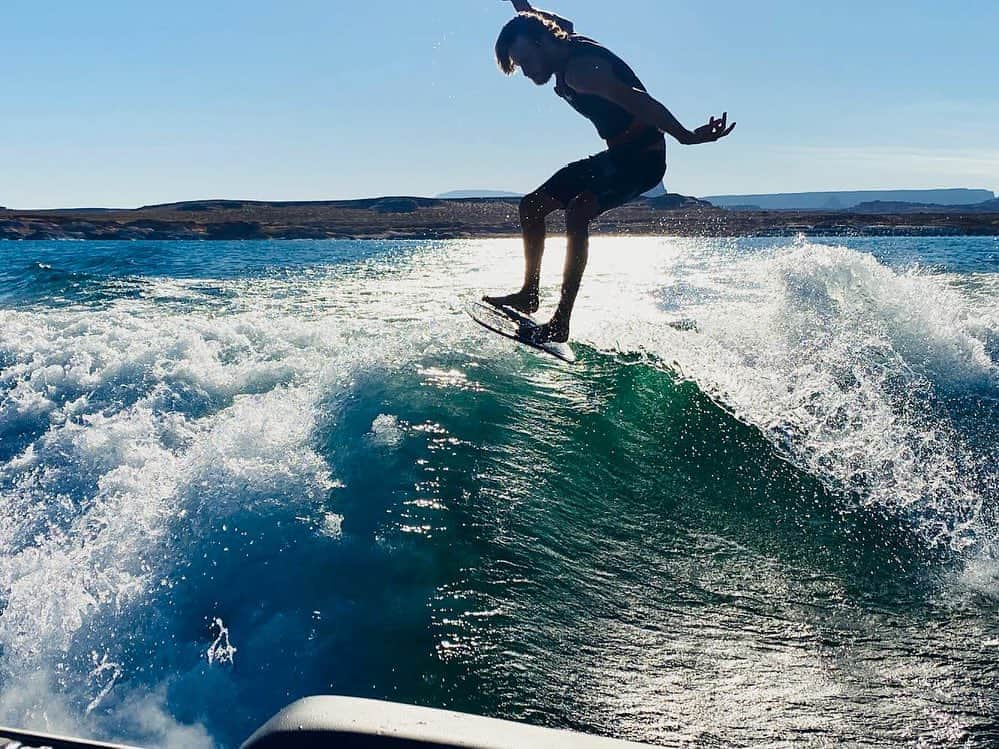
[761, 509]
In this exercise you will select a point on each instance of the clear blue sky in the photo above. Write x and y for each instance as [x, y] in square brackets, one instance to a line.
[125, 103]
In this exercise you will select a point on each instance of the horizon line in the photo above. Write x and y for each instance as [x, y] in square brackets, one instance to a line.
[437, 197]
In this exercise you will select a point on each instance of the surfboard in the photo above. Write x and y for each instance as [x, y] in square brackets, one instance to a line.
[516, 326]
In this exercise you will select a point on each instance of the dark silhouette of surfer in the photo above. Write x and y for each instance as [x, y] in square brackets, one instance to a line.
[601, 87]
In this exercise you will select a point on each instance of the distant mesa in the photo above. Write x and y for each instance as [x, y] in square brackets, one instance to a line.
[675, 202]
[893, 207]
[88, 210]
[848, 200]
[656, 192]
[207, 205]
[409, 217]
[396, 205]
[388, 204]
[459, 194]
[233, 230]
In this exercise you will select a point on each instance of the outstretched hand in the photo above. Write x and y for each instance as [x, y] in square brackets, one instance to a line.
[714, 130]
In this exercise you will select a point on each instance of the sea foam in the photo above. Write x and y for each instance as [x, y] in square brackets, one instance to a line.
[851, 368]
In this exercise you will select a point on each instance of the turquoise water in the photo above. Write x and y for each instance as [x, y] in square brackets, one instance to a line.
[761, 509]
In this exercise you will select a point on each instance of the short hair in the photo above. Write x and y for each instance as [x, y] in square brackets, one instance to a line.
[529, 25]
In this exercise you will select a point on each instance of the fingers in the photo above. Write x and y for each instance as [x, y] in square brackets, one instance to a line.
[720, 127]
[716, 128]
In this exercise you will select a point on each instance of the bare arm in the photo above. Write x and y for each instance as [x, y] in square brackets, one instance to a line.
[593, 76]
[523, 6]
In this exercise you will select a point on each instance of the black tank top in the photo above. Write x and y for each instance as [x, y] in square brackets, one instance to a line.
[609, 119]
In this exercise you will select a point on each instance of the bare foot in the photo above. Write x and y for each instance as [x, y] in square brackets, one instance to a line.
[554, 331]
[523, 301]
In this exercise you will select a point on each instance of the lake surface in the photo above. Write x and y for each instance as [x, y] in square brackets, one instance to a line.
[761, 509]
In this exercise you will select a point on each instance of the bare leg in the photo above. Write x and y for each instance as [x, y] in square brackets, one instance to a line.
[578, 215]
[533, 210]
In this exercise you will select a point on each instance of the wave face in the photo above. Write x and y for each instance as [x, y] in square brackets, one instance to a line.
[762, 508]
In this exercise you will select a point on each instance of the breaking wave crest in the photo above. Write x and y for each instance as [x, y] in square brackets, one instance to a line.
[882, 382]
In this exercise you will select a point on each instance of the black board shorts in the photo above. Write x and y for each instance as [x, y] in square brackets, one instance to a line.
[615, 176]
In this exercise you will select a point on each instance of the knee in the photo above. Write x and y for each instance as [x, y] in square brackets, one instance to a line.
[532, 209]
[579, 213]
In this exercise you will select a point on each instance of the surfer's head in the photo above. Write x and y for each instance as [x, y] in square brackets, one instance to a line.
[533, 44]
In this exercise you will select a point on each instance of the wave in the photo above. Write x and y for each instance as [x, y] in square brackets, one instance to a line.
[151, 454]
[882, 383]
[146, 450]
[121, 435]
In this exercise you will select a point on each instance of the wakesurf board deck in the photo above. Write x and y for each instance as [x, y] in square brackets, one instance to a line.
[516, 326]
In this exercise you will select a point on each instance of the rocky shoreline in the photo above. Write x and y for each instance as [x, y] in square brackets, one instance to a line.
[433, 218]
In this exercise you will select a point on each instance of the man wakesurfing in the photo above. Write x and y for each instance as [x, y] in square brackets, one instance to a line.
[601, 87]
